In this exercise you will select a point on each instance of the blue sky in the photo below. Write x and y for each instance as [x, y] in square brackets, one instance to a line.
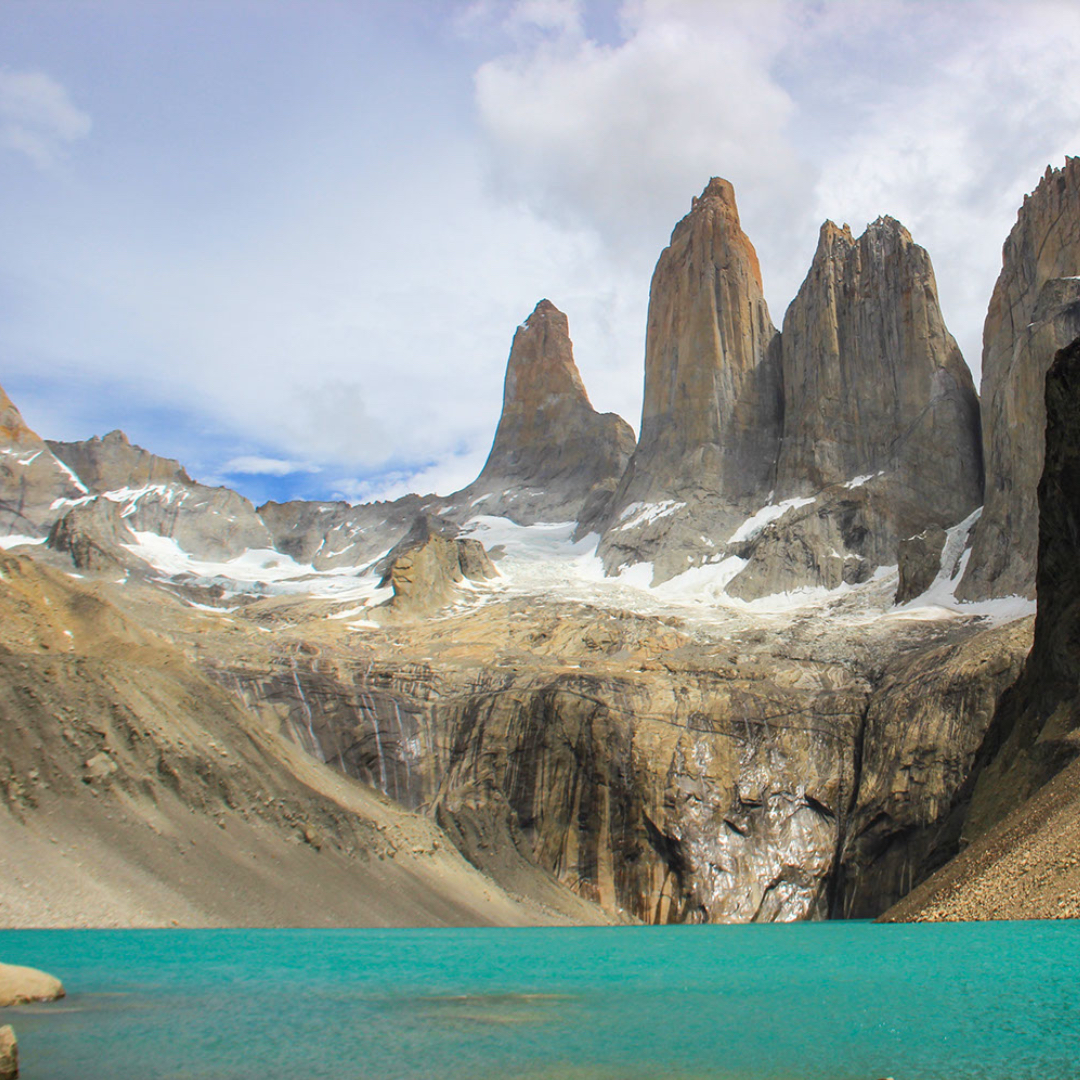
[289, 242]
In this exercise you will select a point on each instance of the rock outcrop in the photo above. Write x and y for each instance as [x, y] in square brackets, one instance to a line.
[158, 496]
[713, 405]
[1034, 311]
[554, 458]
[881, 420]
[32, 479]
[9, 1054]
[427, 569]
[20, 985]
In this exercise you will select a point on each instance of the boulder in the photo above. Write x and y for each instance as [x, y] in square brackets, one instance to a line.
[18, 985]
[9, 1054]
[919, 562]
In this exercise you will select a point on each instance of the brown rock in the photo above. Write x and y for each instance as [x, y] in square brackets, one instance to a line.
[919, 562]
[710, 422]
[1034, 311]
[9, 1054]
[31, 477]
[553, 452]
[18, 985]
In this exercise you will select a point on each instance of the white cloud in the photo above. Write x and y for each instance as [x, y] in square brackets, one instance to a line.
[254, 465]
[618, 137]
[37, 117]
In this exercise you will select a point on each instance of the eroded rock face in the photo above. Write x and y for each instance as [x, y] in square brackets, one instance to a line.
[93, 535]
[1034, 311]
[710, 422]
[31, 477]
[881, 421]
[158, 496]
[553, 454]
[919, 562]
[1035, 732]
[426, 569]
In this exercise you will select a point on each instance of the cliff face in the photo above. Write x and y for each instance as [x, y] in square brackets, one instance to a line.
[1034, 311]
[881, 420]
[710, 421]
[159, 497]
[554, 456]
[1024, 816]
[31, 477]
[873, 380]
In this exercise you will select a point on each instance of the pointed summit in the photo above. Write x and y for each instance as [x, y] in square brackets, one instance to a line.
[553, 453]
[710, 421]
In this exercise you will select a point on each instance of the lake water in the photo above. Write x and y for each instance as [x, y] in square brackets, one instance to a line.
[824, 1001]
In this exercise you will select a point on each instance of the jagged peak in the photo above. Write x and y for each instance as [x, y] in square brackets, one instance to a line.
[542, 358]
[717, 190]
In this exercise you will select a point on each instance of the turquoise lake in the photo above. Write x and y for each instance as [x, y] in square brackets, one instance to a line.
[815, 1001]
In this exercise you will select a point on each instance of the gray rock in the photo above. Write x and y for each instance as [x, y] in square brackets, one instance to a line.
[92, 534]
[1034, 311]
[158, 496]
[919, 562]
[881, 421]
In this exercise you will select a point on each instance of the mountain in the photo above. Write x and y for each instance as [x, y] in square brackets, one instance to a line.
[710, 421]
[1034, 311]
[554, 458]
[32, 479]
[881, 436]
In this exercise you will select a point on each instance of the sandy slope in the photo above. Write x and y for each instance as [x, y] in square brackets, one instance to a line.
[136, 793]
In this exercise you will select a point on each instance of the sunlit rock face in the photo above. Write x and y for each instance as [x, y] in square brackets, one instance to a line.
[554, 458]
[1034, 311]
[32, 479]
[881, 420]
[710, 422]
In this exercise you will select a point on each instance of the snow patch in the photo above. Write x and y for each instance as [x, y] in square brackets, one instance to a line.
[646, 513]
[753, 525]
[15, 540]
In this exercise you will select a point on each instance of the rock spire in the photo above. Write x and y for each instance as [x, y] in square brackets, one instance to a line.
[710, 421]
[554, 456]
[1034, 311]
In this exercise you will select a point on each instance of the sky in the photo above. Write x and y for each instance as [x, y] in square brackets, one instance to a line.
[288, 241]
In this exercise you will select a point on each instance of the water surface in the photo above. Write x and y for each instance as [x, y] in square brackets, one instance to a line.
[824, 1001]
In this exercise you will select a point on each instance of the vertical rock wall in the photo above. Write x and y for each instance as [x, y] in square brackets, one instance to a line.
[1034, 311]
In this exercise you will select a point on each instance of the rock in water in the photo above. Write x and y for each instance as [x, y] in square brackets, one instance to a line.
[9, 1054]
[554, 455]
[881, 420]
[31, 478]
[1034, 311]
[19, 985]
[710, 422]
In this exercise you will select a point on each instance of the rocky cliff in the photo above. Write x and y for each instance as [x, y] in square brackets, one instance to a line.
[554, 458]
[1034, 311]
[158, 496]
[881, 432]
[710, 421]
[32, 479]
[1022, 811]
